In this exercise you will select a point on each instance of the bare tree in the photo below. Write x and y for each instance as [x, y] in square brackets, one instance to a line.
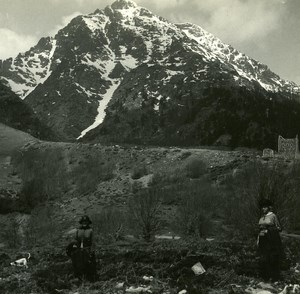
[197, 205]
[144, 211]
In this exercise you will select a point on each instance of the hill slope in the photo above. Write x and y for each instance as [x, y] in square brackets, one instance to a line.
[11, 139]
[18, 114]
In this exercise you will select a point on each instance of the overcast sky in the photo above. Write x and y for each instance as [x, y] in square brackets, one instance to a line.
[266, 30]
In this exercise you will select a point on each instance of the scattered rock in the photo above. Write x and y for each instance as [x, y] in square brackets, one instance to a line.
[120, 285]
[266, 286]
[139, 289]
[198, 269]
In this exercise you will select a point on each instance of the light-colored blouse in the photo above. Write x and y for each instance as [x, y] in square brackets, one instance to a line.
[269, 220]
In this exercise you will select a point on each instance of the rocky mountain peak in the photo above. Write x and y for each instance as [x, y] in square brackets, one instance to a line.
[126, 10]
[125, 58]
[123, 4]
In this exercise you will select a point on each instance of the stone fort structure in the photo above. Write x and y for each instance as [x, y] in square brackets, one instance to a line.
[288, 147]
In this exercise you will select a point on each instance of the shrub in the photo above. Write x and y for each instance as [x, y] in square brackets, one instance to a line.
[10, 233]
[43, 173]
[32, 194]
[198, 204]
[136, 186]
[170, 186]
[195, 168]
[41, 228]
[108, 225]
[139, 171]
[144, 212]
[172, 177]
[8, 201]
[91, 171]
[185, 154]
[6, 205]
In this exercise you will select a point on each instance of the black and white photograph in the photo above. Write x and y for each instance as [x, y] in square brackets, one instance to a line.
[149, 146]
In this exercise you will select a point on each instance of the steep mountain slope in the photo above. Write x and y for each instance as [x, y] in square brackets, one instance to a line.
[17, 114]
[142, 79]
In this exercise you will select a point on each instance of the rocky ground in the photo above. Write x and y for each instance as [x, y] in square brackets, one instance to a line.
[163, 266]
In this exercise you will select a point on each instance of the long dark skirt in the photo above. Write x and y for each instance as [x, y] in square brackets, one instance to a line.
[270, 255]
[84, 264]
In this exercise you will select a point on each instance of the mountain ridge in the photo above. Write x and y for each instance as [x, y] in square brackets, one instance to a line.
[81, 75]
[195, 32]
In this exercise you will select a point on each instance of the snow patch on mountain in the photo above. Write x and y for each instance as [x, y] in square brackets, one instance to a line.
[129, 13]
[129, 62]
[89, 60]
[18, 88]
[81, 89]
[32, 70]
[268, 87]
[50, 58]
[96, 22]
[213, 47]
[158, 98]
[92, 23]
[101, 108]
[170, 74]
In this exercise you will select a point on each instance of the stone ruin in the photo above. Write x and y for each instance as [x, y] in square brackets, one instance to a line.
[288, 148]
[268, 153]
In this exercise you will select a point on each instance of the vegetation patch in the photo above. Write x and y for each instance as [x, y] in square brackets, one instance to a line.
[139, 171]
[43, 173]
[195, 168]
[90, 171]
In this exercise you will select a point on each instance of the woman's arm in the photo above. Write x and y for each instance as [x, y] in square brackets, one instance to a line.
[276, 223]
[92, 241]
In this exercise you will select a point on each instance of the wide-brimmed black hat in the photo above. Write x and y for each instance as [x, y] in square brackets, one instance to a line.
[265, 203]
[85, 220]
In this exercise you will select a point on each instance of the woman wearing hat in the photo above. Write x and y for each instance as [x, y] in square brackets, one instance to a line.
[83, 259]
[84, 234]
[269, 242]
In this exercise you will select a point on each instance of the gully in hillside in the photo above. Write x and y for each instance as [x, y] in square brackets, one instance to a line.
[269, 243]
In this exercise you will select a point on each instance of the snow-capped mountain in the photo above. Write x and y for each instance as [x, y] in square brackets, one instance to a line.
[126, 60]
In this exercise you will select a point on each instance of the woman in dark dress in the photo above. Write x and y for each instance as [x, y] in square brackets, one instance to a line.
[269, 243]
[82, 251]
